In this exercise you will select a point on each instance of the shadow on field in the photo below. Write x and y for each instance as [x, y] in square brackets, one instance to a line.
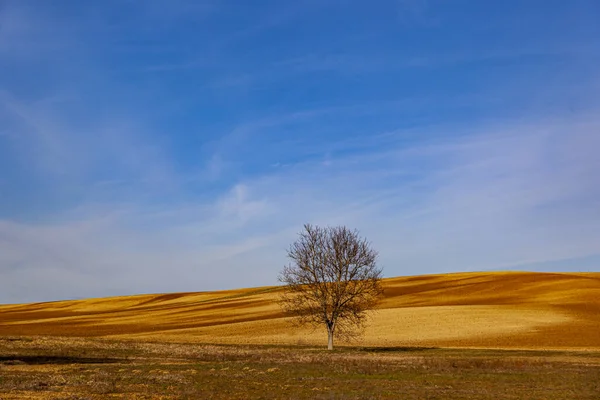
[42, 360]
[393, 349]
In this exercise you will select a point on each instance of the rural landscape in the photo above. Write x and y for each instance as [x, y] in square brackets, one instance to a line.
[509, 335]
[308, 199]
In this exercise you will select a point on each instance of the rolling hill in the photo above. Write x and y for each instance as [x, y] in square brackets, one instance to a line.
[497, 310]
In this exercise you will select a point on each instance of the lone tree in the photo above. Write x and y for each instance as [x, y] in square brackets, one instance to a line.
[332, 280]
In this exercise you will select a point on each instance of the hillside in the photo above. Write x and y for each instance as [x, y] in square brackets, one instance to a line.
[503, 309]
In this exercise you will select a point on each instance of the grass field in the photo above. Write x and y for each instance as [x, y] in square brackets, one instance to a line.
[59, 368]
[456, 336]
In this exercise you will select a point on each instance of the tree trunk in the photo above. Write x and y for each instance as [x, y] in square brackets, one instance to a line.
[330, 337]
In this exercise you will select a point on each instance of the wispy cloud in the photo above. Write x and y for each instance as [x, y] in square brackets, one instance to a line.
[76, 151]
[498, 197]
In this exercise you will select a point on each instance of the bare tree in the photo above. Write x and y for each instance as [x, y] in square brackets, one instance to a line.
[332, 280]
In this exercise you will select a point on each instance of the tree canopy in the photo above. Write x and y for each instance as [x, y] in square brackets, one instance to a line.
[332, 279]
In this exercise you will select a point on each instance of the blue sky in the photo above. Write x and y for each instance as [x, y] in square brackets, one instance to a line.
[160, 146]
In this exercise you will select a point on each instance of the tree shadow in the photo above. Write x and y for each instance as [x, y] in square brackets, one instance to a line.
[58, 360]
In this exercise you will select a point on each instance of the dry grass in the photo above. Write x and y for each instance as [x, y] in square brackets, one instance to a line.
[499, 310]
[78, 368]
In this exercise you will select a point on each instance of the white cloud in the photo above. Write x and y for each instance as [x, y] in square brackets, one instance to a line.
[238, 204]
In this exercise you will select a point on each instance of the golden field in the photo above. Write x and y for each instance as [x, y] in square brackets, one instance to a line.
[481, 310]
